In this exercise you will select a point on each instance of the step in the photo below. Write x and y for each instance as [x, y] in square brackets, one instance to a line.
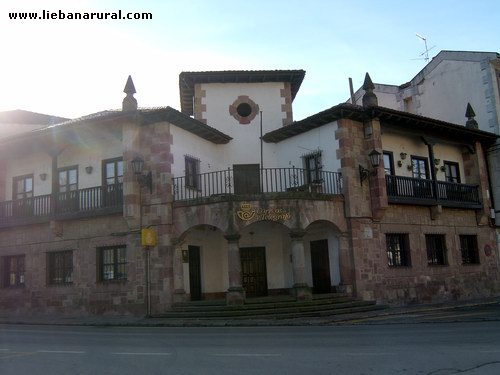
[269, 310]
[254, 305]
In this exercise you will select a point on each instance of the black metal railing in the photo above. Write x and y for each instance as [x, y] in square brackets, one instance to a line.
[83, 200]
[415, 189]
[270, 180]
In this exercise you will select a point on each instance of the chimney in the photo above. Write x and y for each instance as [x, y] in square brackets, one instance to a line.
[129, 102]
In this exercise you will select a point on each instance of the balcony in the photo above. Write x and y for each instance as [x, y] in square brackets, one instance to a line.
[407, 190]
[256, 181]
[92, 201]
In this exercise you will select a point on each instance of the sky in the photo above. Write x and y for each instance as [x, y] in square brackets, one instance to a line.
[72, 68]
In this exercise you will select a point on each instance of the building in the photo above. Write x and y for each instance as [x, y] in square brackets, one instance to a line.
[20, 121]
[131, 211]
[444, 88]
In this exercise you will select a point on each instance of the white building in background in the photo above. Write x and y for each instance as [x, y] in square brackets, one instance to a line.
[442, 90]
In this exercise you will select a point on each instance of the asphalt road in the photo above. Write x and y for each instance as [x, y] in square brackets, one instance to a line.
[473, 313]
[433, 349]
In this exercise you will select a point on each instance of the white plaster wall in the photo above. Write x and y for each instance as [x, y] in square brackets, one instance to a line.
[213, 257]
[388, 100]
[288, 152]
[8, 130]
[187, 143]
[90, 153]
[93, 148]
[245, 146]
[411, 145]
[322, 231]
[34, 163]
[445, 92]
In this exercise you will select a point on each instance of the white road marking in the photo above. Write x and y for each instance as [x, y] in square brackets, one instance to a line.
[142, 353]
[4, 350]
[359, 354]
[246, 355]
[60, 351]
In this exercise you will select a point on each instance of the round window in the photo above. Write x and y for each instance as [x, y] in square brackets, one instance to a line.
[244, 109]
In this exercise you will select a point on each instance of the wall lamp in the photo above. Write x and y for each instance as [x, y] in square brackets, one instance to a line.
[145, 180]
[375, 162]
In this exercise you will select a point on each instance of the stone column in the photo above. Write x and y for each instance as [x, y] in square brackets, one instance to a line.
[235, 294]
[179, 290]
[301, 289]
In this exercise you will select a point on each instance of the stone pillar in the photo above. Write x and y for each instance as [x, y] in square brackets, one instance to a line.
[235, 294]
[476, 173]
[179, 290]
[301, 289]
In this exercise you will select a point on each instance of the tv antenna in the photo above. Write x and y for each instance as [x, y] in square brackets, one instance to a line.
[426, 52]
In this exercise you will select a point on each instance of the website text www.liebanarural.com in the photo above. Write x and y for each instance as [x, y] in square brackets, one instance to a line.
[61, 15]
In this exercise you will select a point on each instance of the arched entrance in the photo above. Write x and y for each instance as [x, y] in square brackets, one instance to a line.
[322, 256]
[204, 263]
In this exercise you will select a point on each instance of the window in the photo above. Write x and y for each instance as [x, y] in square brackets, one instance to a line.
[451, 172]
[13, 267]
[436, 249]
[398, 250]
[68, 179]
[60, 267]
[469, 250]
[313, 167]
[408, 104]
[419, 167]
[23, 187]
[113, 171]
[388, 163]
[112, 263]
[192, 172]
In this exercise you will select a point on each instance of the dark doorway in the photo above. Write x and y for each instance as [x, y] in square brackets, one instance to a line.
[246, 178]
[253, 271]
[194, 273]
[320, 262]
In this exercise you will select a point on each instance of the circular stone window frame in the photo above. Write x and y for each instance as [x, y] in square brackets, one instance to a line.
[243, 99]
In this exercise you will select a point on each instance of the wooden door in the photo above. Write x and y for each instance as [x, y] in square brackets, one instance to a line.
[320, 262]
[194, 273]
[253, 271]
[246, 178]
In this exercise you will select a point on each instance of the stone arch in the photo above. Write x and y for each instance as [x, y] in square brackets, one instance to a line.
[198, 227]
[322, 243]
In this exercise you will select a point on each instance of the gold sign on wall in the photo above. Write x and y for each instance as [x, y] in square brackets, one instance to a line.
[148, 237]
[247, 212]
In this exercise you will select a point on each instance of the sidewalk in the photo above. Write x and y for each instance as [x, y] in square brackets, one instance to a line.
[132, 321]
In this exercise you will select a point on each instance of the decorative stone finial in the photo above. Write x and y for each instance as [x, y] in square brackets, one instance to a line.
[470, 114]
[369, 99]
[129, 102]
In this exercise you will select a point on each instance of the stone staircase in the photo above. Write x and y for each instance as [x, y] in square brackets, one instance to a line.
[273, 307]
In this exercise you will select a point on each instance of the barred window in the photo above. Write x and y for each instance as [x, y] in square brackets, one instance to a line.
[469, 250]
[192, 172]
[13, 271]
[398, 250]
[313, 166]
[60, 267]
[436, 249]
[112, 263]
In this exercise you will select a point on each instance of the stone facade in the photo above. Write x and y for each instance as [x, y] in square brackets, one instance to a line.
[348, 223]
